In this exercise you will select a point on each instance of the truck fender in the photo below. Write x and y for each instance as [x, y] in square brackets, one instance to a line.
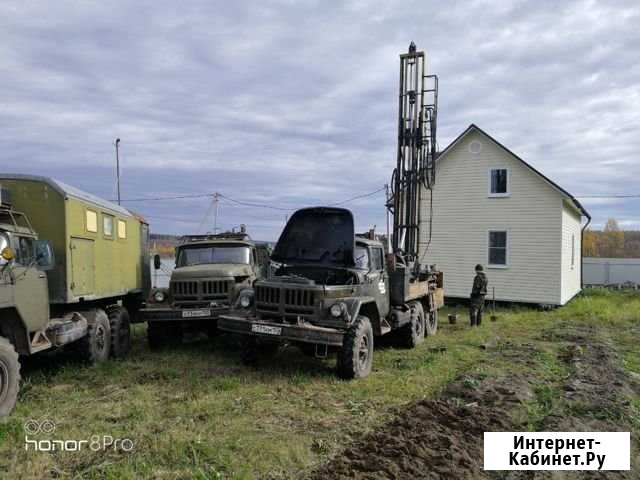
[13, 328]
[367, 307]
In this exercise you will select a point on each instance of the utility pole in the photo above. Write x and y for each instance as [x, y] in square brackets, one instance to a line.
[215, 214]
[118, 167]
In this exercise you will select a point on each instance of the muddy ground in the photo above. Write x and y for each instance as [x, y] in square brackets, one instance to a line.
[581, 388]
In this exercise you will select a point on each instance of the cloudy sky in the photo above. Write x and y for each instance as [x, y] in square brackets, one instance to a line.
[293, 103]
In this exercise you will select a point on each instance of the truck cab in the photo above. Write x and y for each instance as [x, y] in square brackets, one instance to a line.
[23, 282]
[210, 274]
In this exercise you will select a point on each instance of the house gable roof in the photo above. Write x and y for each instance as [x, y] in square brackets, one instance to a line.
[557, 187]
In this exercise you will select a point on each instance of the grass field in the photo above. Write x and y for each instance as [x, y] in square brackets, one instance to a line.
[197, 412]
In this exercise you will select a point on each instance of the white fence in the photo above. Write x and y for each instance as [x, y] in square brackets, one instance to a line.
[610, 271]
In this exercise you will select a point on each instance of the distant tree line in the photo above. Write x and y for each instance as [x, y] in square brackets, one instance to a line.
[611, 242]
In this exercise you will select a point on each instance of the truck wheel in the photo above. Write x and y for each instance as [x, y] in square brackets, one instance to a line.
[432, 323]
[412, 334]
[356, 355]
[120, 332]
[96, 344]
[163, 334]
[9, 377]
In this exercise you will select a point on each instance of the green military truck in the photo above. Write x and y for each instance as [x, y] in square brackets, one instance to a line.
[335, 292]
[73, 268]
[212, 273]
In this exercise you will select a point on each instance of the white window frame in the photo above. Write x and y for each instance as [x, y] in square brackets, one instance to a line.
[506, 256]
[498, 195]
[122, 232]
[91, 220]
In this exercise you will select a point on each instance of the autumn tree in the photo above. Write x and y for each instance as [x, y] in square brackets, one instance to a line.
[590, 244]
[612, 240]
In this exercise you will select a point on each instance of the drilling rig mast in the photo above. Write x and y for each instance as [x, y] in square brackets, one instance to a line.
[416, 161]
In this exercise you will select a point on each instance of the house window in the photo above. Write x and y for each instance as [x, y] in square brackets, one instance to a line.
[122, 229]
[498, 248]
[92, 221]
[107, 225]
[498, 182]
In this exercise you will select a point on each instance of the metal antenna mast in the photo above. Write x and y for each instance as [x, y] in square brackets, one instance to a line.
[118, 167]
[415, 170]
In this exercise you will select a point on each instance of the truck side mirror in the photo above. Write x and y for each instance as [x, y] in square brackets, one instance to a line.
[157, 263]
[45, 259]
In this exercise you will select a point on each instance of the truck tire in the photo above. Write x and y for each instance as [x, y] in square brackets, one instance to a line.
[412, 334]
[9, 377]
[356, 355]
[95, 346]
[163, 334]
[120, 324]
[431, 323]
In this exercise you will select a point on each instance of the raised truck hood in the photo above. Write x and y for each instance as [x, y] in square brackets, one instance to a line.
[317, 236]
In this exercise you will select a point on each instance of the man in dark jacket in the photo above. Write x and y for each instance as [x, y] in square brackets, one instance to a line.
[478, 292]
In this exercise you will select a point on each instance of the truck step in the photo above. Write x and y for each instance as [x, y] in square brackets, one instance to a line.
[39, 342]
[384, 327]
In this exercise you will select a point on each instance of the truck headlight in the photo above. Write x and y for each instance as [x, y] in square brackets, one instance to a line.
[245, 300]
[159, 296]
[337, 309]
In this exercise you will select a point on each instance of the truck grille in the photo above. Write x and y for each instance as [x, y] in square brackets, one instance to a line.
[285, 301]
[200, 292]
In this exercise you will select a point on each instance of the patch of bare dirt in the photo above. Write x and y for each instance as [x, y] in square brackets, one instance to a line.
[595, 397]
[439, 438]
[442, 438]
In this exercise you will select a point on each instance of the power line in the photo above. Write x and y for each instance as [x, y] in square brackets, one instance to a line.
[177, 197]
[249, 204]
[258, 205]
[356, 197]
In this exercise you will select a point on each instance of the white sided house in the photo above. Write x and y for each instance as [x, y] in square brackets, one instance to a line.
[491, 207]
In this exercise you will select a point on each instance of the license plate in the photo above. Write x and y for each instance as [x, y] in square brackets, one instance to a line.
[267, 329]
[196, 313]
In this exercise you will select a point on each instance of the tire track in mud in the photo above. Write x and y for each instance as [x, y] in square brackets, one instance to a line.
[442, 438]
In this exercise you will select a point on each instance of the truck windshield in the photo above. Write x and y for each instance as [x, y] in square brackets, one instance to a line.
[219, 254]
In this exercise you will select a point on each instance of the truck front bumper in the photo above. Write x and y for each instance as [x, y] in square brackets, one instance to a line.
[302, 332]
[182, 314]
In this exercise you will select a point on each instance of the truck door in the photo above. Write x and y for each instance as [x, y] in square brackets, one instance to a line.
[380, 279]
[31, 292]
[82, 266]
